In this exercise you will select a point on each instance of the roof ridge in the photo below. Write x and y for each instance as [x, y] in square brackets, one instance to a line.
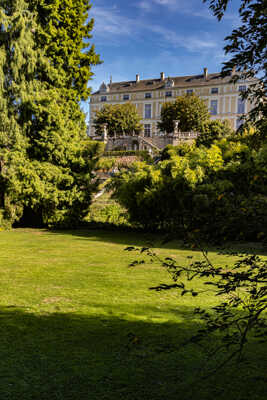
[168, 77]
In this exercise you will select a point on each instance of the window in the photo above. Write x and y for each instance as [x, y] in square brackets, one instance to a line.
[214, 90]
[240, 106]
[147, 130]
[126, 97]
[242, 88]
[148, 95]
[103, 98]
[168, 94]
[189, 91]
[213, 107]
[147, 110]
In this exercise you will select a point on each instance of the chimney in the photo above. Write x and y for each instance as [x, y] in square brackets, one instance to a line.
[137, 78]
[205, 73]
[162, 76]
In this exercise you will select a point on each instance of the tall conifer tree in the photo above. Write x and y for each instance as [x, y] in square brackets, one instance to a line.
[64, 32]
[46, 161]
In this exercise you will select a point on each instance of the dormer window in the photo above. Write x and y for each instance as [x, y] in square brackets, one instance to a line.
[169, 83]
[103, 88]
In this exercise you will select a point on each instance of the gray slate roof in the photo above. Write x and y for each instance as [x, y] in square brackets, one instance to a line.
[179, 82]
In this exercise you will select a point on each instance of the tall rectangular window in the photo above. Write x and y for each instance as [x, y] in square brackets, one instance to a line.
[148, 95]
[103, 98]
[214, 90]
[214, 107]
[240, 106]
[189, 91]
[168, 94]
[147, 130]
[147, 110]
[126, 97]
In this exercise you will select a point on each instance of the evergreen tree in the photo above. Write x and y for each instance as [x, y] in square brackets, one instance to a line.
[14, 89]
[46, 162]
[64, 33]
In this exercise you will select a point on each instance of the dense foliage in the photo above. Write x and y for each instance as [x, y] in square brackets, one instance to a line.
[212, 130]
[218, 191]
[121, 119]
[247, 47]
[46, 162]
[64, 32]
[189, 110]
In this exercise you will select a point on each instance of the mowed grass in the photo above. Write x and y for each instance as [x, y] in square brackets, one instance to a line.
[77, 323]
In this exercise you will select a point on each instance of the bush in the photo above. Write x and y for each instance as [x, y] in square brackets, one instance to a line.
[5, 224]
[213, 130]
[219, 192]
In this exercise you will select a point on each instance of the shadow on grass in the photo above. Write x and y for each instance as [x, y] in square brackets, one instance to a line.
[70, 356]
[133, 238]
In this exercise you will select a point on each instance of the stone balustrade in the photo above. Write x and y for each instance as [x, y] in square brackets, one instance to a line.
[142, 142]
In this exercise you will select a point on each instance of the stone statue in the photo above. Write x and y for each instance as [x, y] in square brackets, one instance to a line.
[176, 126]
[105, 133]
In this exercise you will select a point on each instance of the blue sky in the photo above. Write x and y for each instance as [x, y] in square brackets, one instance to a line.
[146, 37]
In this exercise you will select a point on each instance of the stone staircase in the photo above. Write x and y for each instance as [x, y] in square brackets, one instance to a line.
[149, 141]
[153, 144]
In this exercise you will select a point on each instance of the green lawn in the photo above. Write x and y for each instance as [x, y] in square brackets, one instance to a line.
[77, 323]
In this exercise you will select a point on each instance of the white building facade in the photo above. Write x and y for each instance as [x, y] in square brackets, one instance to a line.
[222, 97]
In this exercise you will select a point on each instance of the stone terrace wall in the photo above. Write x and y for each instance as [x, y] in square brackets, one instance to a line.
[147, 143]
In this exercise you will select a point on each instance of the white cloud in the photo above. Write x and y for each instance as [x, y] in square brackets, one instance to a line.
[191, 43]
[145, 5]
[109, 22]
[168, 3]
[112, 28]
[194, 8]
[149, 5]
